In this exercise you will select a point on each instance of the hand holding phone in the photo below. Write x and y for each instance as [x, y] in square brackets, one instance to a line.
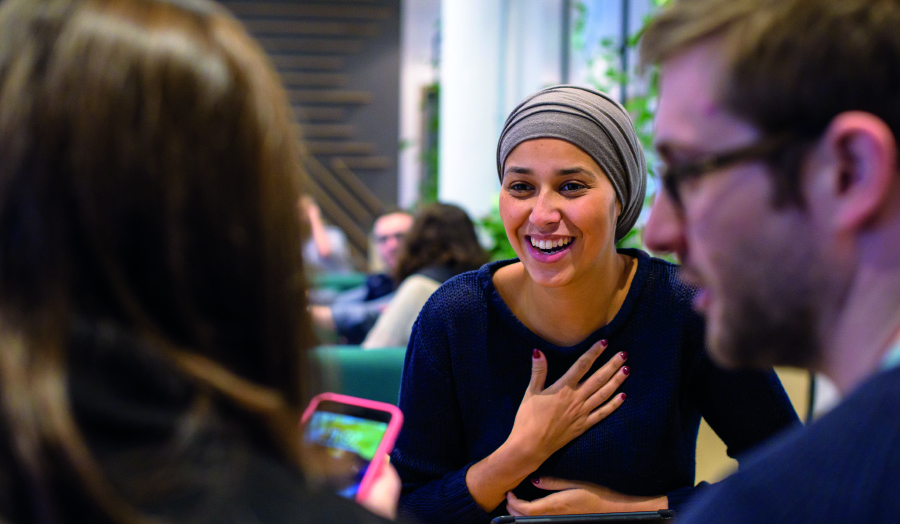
[351, 437]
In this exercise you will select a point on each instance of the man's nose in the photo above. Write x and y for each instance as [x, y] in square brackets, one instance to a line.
[664, 232]
[393, 242]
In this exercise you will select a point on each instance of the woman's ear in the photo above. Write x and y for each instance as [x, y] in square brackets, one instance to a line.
[864, 152]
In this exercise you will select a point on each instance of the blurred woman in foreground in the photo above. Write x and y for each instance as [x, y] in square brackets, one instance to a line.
[153, 338]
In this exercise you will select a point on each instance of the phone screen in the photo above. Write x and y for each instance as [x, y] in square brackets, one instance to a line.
[348, 437]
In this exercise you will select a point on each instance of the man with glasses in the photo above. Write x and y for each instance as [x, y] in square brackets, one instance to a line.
[353, 313]
[778, 124]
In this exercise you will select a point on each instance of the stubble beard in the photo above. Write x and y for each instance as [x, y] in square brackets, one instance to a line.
[755, 334]
[771, 316]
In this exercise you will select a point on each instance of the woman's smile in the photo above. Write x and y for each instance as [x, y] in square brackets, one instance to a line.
[548, 250]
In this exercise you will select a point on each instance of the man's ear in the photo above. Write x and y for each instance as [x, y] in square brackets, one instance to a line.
[865, 154]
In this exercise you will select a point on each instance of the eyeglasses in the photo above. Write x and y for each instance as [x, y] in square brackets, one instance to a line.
[674, 177]
[381, 239]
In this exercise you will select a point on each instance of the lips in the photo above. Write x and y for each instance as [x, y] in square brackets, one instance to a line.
[548, 250]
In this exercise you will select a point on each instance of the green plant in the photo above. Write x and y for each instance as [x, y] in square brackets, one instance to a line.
[428, 187]
[640, 103]
[494, 235]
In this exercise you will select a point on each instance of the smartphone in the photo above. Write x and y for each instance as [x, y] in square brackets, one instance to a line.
[345, 434]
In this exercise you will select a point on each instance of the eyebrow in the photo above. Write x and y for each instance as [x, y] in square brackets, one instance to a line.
[562, 172]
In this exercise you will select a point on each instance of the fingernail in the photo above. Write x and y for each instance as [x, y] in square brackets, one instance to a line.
[624, 355]
[625, 370]
[536, 480]
[536, 354]
[604, 343]
[623, 396]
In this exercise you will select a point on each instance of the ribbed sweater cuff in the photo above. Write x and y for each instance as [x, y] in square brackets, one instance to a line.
[452, 505]
[467, 510]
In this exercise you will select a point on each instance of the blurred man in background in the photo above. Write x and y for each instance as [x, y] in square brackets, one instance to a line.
[353, 313]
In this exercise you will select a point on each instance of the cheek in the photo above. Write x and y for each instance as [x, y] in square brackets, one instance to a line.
[612, 210]
[510, 212]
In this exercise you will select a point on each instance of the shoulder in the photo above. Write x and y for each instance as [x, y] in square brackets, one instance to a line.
[841, 468]
[466, 291]
[658, 296]
[417, 285]
[458, 311]
[658, 279]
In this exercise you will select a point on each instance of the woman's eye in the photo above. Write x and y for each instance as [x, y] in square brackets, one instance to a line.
[572, 186]
[519, 187]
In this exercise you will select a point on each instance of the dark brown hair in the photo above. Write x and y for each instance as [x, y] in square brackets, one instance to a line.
[148, 175]
[791, 66]
[442, 235]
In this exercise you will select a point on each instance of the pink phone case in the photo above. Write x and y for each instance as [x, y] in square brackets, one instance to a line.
[387, 442]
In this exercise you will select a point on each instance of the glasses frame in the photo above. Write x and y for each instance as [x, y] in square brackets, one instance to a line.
[673, 177]
[381, 239]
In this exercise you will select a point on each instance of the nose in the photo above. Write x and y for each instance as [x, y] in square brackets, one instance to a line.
[545, 211]
[392, 243]
[664, 232]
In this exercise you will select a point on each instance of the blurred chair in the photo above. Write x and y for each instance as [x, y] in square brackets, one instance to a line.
[338, 282]
[374, 375]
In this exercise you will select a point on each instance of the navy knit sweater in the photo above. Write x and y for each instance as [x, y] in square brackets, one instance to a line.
[843, 468]
[469, 362]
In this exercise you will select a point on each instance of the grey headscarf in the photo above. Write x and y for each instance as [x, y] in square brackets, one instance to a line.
[595, 123]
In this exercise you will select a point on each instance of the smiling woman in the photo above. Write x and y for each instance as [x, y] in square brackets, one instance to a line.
[516, 392]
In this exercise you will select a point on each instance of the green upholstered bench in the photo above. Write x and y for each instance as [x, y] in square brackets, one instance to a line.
[373, 374]
[339, 281]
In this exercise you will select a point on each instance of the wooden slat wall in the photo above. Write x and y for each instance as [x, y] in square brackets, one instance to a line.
[322, 50]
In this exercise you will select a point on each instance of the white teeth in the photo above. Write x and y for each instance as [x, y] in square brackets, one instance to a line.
[550, 244]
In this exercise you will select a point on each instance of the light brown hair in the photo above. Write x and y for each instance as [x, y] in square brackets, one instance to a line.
[791, 66]
[148, 174]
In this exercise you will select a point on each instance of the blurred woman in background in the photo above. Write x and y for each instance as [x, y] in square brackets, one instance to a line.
[153, 334]
[440, 244]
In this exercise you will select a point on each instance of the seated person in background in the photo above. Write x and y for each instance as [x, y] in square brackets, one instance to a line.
[325, 251]
[440, 244]
[153, 337]
[353, 313]
[497, 417]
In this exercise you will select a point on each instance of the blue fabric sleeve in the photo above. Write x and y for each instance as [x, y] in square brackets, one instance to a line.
[353, 320]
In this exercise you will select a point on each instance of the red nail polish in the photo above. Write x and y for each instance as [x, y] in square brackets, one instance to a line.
[536, 354]
[536, 480]
[625, 370]
[624, 355]
[623, 396]
[604, 343]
